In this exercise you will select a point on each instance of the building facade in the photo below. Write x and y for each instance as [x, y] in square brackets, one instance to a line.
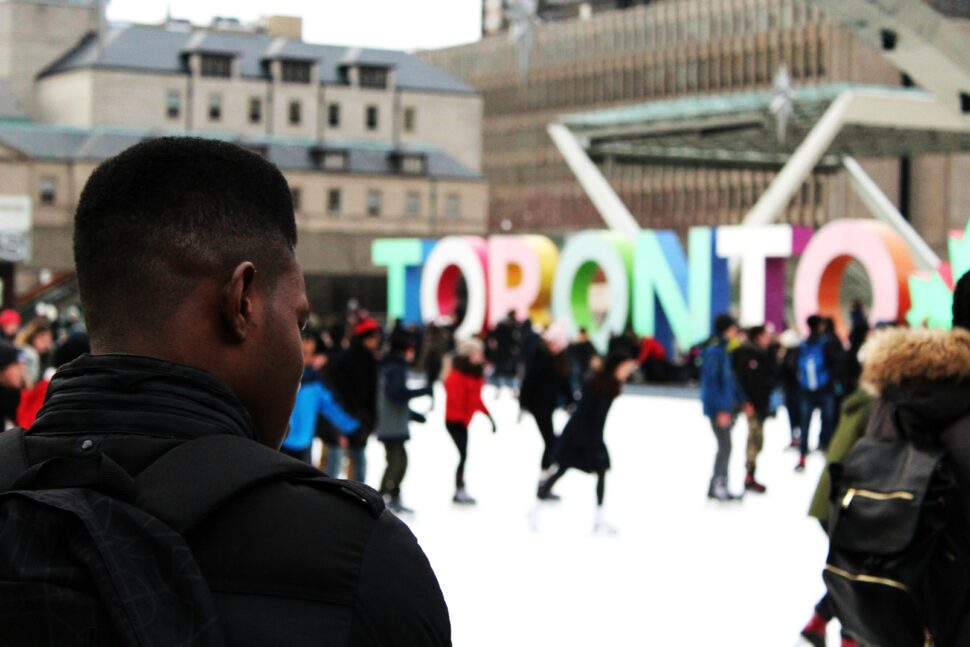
[373, 143]
[681, 48]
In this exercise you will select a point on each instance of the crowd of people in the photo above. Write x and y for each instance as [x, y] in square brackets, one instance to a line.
[359, 381]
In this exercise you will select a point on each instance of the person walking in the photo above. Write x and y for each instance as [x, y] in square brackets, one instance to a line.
[582, 445]
[816, 377]
[394, 415]
[463, 395]
[546, 386]
[755, 372]
[721, 398]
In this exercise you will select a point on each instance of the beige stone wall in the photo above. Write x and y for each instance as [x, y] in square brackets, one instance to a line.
[34, 35]
[137, 101]
[235, 105]
[452, 123]
[353, 106]
[308, 95]
[66, 99]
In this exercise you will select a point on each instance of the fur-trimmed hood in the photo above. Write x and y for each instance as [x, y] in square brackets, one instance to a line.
[898, 359]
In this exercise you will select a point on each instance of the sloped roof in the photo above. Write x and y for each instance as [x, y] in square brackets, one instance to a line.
[157, 49]
[58, 143]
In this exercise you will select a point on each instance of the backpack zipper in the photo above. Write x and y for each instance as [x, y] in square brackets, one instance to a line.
[870, 579]
[852, 493]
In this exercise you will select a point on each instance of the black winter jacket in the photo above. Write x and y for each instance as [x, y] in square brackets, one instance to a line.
[354, 376]
[287, 564]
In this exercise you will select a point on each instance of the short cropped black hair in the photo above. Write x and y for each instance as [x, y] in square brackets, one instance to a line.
[169, 211]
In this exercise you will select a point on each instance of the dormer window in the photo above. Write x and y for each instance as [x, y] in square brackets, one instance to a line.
[216, 65]
[373, 77]
[297, 71]
[411, 164]
[330, 160]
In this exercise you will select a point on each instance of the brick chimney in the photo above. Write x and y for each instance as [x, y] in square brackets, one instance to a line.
[290, 27]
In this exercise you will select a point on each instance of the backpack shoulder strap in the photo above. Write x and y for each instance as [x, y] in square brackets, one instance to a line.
[193, 480]
[13, 457]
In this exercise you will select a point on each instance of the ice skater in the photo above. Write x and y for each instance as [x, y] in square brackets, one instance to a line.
[721, 397]
[546, 386]
[463, 391]
[581, 445]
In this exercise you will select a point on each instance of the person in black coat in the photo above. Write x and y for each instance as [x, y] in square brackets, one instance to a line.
[546, 386]
[755, 371]
[581, 445]
[210, 226]
[503, 345]
[354, 376]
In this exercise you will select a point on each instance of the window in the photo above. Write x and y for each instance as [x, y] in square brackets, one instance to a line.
[412, 204]
[373, 77]
[409, 120]
[217, 66]
[215, 107]
[333, 202]
[297, 197]
[412, 164]
[255, 110]
[297, 71]
[173, 104]
[335, 161]
[48, 190]
[371, 118]
[453, 205]
[333, 115]
[296, 116]
[373, 203]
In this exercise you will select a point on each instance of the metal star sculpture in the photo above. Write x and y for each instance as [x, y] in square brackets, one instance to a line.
[782, 104]
[524, 20]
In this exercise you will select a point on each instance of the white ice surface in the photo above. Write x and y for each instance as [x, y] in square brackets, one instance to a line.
[682, 571]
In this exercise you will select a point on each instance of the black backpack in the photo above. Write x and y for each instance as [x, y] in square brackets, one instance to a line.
[898, 569]
[90, 556]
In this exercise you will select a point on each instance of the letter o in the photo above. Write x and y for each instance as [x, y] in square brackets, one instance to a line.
[453, 256]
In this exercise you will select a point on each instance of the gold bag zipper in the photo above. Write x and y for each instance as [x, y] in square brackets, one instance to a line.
[877, 496]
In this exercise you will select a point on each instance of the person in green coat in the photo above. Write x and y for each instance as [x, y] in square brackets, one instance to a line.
[853, 422]
[852, 426]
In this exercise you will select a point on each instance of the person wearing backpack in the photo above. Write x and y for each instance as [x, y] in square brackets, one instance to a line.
[899, 560]
[816, 377]
[148, 504]
[722, 398]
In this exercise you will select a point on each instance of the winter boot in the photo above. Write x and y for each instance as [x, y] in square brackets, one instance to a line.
[721, 492]
[600, 525]
[814, 631]
[801, 464]
[752, 485]
[544, 491]
[394, 505]
[463, 498]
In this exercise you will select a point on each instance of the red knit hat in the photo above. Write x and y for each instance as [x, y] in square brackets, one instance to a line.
[8, 317]
[365, 327]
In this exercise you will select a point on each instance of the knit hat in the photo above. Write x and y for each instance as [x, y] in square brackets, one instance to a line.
[556, 337]
[466, 347]
[366, 327]
[9, 317]
[8, 355]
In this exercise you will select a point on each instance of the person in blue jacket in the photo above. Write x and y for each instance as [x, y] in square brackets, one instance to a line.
[314, 399]
[721, 398]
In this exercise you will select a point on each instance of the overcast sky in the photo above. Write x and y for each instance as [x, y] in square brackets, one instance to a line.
[388, 24]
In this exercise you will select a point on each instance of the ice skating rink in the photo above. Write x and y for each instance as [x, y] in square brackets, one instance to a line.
[681, 571]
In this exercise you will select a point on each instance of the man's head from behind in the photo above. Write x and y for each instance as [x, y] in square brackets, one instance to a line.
[185, 250]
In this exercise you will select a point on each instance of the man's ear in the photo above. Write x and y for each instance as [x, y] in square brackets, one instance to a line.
[237, 301]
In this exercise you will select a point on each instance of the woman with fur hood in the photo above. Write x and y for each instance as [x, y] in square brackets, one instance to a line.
[922, 382]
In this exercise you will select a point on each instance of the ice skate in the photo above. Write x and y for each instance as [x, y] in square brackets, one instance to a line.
[814, 631]
[601, 526]
[720, 492]
[752, 485]
[463, 498]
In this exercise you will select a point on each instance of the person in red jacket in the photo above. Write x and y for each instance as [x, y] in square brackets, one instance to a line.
[463, 390]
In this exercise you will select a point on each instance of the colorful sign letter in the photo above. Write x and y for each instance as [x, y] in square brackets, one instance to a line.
[454, 255]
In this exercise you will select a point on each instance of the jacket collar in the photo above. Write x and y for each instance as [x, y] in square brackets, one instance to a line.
[131, 393]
